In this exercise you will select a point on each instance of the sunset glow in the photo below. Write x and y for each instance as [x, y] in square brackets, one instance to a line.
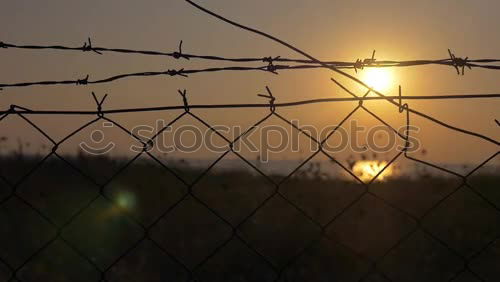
[367, 170]
[380, 79]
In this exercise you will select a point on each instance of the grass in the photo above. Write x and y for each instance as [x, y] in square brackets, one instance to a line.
[103, 227]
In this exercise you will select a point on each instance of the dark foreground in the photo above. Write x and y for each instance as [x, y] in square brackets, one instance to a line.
[79, 223]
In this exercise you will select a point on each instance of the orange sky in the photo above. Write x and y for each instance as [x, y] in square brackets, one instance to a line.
[341, 30]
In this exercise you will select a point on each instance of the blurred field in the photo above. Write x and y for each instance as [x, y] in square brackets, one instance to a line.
[98, 233]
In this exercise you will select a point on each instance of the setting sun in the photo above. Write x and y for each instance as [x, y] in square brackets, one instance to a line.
[381, 79]
[367, 170]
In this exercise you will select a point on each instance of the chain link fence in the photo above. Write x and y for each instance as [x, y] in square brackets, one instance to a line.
[68, 218]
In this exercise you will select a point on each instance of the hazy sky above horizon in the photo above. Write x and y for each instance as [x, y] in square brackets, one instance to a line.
[340, 30]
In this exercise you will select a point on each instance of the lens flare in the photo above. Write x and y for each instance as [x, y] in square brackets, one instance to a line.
[125, 200]
[367, 170]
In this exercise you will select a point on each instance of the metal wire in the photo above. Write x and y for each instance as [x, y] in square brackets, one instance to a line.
[277, 184]
[359, 64]
[455, 62]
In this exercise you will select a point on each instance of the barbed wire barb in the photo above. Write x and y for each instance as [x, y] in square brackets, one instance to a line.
[183, 94]
[361, 64]
[83, 81]
[270, 97]
[369, 61]
[99, 104]
[271, 67]
[401, 106]
[459, 62]
[87, 47]
[178, 54]
[180, 72]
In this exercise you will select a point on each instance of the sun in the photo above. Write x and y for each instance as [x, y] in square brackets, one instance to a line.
[380, 79]
[367, 170]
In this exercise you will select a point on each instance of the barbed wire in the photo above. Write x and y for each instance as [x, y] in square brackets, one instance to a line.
[101, 114]
[22, 110]
[236, 233]
[452, 61]
[457, 63]
[171, 72]
[16, 109]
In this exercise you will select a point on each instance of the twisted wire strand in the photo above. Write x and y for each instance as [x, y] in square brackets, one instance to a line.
[181, 72]
[479, 63]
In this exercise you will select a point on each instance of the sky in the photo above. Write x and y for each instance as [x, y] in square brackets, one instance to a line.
[329, 30]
